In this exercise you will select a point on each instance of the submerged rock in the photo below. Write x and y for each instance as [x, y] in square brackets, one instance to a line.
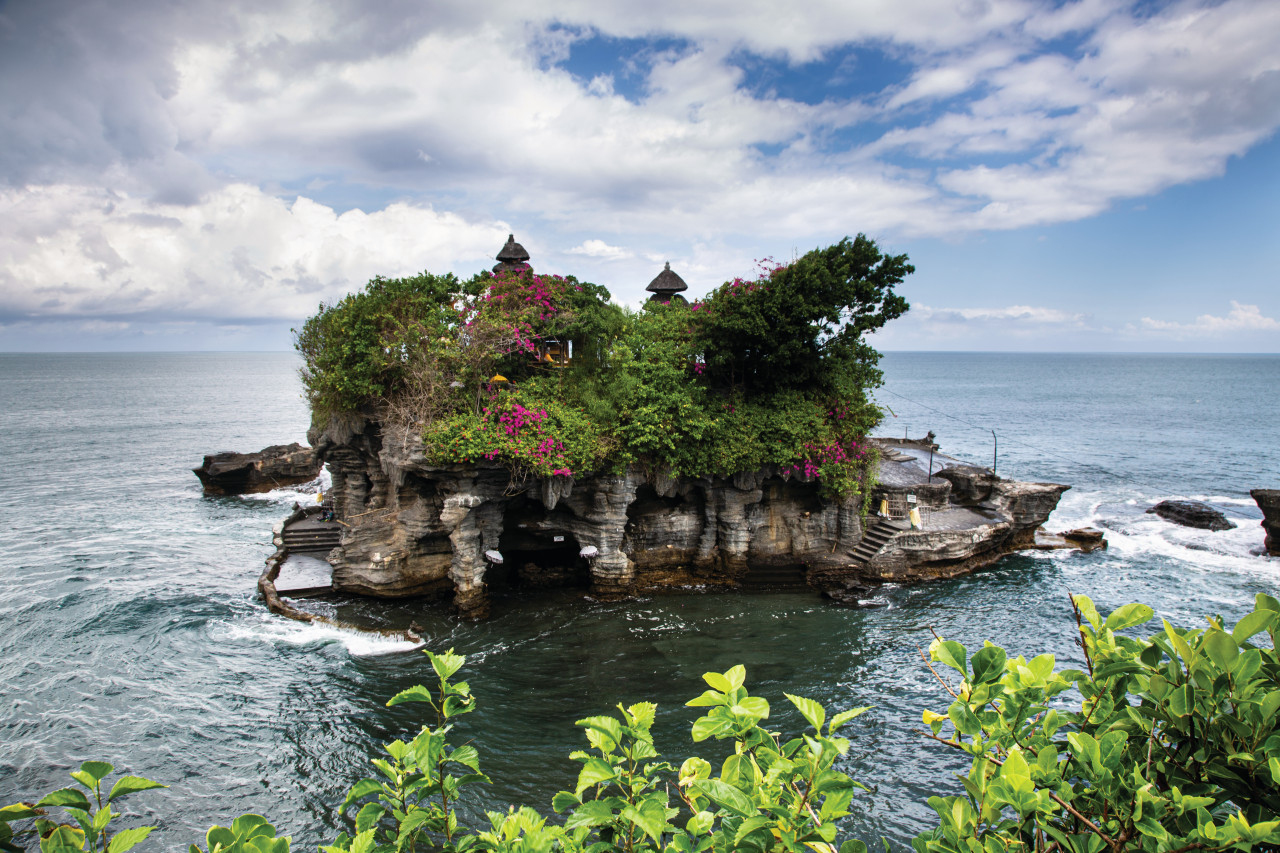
[1268, 501]
[230, 473]
[1192, 514]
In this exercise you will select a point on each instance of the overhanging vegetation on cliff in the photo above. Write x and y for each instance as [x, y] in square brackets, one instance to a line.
[544, 374]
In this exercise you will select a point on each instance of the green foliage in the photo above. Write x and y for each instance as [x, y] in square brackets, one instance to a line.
[86, 806]
[526, 428]
[1164, 745]
[248, 833]
[770, 372]
[355, 352]
[803, 325]
[414, 798]
[1175, 745]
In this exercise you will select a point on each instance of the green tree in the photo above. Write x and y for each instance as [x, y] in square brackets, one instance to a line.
[803, 325]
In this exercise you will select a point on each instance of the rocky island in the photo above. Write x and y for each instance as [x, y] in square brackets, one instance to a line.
[521, 430]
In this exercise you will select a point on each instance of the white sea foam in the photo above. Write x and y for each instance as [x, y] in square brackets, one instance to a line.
[278, 630]
[1133, 533]
[303, 493]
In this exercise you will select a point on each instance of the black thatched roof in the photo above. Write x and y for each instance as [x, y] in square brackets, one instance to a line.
[666, 285]
[512, 257]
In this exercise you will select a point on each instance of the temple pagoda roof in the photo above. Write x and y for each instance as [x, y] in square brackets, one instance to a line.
[513, 257]
[666, 285]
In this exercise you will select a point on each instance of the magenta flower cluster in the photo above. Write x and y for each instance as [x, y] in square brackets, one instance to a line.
[819, 456]
[520, 422]
[522, 300]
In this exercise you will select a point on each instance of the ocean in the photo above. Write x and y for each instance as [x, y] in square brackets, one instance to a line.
[131, 631]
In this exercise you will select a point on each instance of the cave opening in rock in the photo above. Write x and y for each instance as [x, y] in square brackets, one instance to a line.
[538, 550]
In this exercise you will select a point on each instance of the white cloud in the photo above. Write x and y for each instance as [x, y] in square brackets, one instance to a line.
[1241, 319]
[78, 252]
[161, 152]
[601, 249]
[1013, 314]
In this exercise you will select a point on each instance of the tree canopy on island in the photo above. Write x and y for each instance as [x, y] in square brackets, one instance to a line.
[776, 370]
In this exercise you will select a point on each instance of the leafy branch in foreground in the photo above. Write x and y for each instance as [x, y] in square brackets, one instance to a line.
[1165, 745]
[1174, 747]
[91, 813]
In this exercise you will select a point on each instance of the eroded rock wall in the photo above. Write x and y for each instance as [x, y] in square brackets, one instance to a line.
[414, 528]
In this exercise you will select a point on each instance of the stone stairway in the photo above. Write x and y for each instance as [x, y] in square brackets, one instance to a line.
[878, 532]
[309, 536]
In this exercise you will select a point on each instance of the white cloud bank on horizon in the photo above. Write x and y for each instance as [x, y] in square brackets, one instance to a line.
[1241, 318]
[239, 255]
[156, 156]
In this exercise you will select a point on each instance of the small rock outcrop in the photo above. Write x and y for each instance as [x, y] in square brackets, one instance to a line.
[1268, 501]
[230, 473]
[1192, 514]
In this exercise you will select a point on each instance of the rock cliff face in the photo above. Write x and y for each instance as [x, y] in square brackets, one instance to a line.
[413, 528]
[230, 473]
[1268, 501]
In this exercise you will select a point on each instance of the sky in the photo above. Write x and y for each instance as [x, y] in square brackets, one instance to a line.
[1089, 175]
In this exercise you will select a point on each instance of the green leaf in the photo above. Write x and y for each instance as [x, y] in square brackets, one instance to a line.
[265, 844]
[709, 698]
[1128, 616]
[1258, 620]
[251, 825]
[64, 839]
[749, 826]
[127, 839]
[369, 815]
[1090, 613]
[1262, 601]
[812, 711]
[590, 813]
[952, 654]
[563, 801]
[468, 756]
[127, 785]
[1221, 649]
[650, 816]
[727, 796]
[963, 719]
[843, 717]
[65, 797]
[726, 682]
[416, 693]
[752, 706]
[446, 664]
[97, 769]
[1179, 643]
[608, 726]
[988, 664]
[363, 788]
[705, 727]
[595, 772]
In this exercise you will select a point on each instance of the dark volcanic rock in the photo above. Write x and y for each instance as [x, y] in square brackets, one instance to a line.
[1192, 514]
[969, 484]
[230, 473]
[412, 527]
[1268, 501]
[1087, 539]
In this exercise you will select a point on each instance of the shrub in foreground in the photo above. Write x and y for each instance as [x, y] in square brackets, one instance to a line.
[1168, 744]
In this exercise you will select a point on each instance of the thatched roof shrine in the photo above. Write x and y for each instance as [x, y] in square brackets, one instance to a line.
[512, 258]
[666, 286]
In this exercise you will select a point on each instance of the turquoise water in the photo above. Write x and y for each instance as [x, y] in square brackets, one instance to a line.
[131, 632]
